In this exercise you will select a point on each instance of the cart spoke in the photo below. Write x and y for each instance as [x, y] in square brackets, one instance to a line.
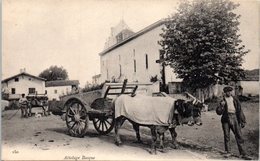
[105, 125]
[82, 121]
[108, 122]
[72, 111]
[73, 125]
[78, 107]
[96, 121]
[102, 126]
[70, 121]
[82, 113]
[82, 110]
[70, 115]
[79, 128]
[83, 117]
[75, 108]
[99, 124]
[76, 128]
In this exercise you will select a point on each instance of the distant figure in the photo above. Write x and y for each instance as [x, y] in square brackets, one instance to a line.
[232, 118]
[74, 90]
[23, 104]
[240, 90]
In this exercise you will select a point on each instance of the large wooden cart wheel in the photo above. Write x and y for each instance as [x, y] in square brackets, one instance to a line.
[76, 118]
[103, 123]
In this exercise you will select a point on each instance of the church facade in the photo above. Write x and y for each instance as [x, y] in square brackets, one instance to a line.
[134, 56]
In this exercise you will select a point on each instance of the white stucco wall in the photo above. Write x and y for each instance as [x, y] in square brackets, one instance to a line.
[250, 87]
[135, 49]
[23, 85]
[61, 90]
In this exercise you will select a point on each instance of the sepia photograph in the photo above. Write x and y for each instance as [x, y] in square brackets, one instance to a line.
[130, 80]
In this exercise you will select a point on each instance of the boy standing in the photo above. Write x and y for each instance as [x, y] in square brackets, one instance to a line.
[232, 118]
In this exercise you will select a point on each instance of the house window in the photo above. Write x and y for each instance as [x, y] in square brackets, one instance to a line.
[46, 92]
[16, 79]
[31, 90]
[134, 52]
[120, 70]
[146, 61]
[13, 90]
[107, 75]
[55, 91]
[134, 65]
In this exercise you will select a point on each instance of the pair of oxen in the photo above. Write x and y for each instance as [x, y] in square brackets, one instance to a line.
[26, 106]
[148, 112]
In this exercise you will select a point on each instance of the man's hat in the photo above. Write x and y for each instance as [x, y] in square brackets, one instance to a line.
[227, 89]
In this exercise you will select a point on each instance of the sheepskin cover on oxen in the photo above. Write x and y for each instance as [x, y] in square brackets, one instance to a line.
[145, 110]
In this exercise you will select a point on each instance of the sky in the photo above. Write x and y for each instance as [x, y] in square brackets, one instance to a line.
[40, 33]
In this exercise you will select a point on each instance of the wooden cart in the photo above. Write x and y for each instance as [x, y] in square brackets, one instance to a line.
[81, 110]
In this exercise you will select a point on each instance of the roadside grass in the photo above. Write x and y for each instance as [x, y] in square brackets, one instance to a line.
[251, 133]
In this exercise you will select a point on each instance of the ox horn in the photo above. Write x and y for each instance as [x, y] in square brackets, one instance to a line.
[191, 96]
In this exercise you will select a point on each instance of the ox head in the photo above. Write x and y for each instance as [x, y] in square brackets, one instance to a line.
[190, 111]
[197, 108]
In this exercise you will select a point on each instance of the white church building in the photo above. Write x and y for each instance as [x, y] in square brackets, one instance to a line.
[134, 56]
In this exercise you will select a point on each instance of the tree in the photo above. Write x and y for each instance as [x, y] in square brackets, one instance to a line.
[54, 73]
[201, 42]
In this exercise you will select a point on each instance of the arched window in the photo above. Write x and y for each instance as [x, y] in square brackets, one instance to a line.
[120, 70]
[146, 61]
[134, 65]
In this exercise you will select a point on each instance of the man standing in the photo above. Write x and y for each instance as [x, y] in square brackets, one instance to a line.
[23, 103]
[232, 118]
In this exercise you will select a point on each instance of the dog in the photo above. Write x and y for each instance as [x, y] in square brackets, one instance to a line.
[38, 115]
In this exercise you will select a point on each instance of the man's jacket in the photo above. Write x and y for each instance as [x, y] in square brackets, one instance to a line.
[222, 110]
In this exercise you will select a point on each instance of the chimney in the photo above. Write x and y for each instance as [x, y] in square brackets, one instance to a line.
[22, 70]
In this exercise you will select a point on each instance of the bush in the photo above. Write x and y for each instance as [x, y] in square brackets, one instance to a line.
[13, 105]
[154, 79]
[93, 87]
[243, 98]
[214, 99]
[212, 103]
[254, 99]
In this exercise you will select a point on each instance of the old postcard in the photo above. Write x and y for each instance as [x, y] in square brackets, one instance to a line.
[130, 80]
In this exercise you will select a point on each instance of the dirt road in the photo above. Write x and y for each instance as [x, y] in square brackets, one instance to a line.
[47, 138]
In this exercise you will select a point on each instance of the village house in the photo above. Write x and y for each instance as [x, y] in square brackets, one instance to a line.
[23, 82]
[250, 84]
[58, 88]
[135, 56]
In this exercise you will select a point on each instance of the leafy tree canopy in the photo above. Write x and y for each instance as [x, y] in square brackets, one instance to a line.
[201, 42]
[54, 73]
